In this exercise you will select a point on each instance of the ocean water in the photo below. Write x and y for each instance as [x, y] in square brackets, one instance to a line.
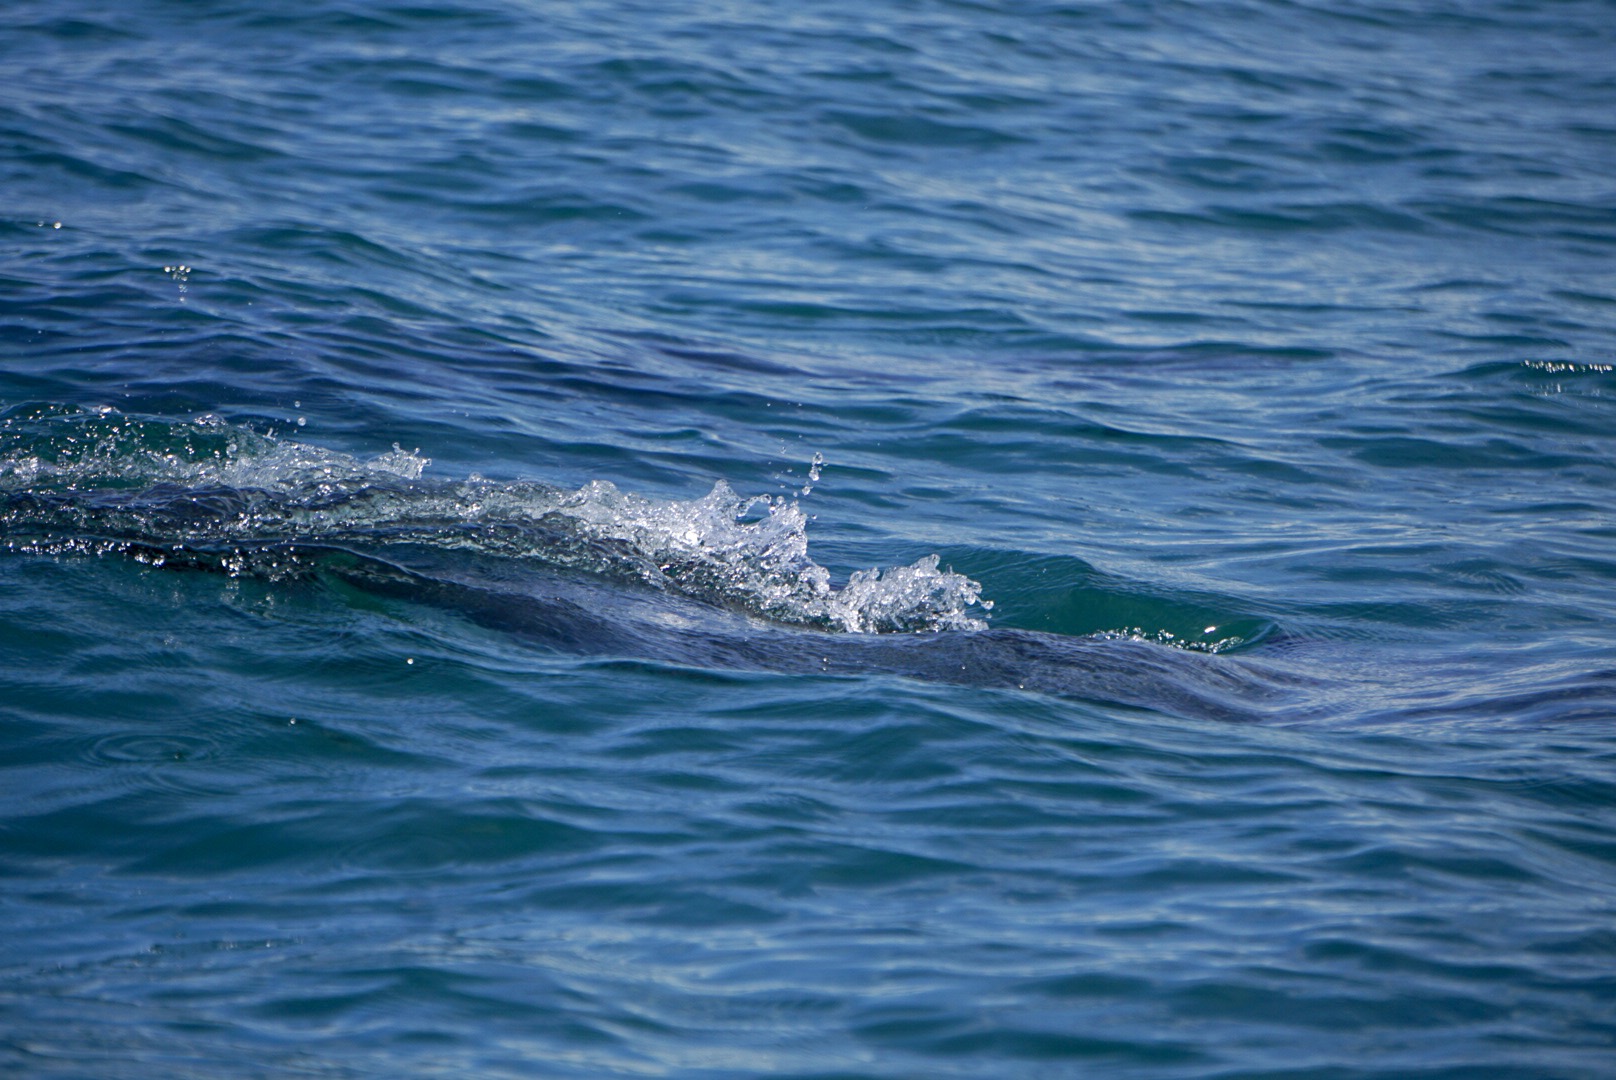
[913, 538]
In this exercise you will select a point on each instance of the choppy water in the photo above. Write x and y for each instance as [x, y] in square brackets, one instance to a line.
[876, 540]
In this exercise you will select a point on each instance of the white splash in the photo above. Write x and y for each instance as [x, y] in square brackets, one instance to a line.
[73, 473]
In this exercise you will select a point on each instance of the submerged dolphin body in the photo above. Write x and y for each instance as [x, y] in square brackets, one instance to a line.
[569, 613]
[719, 582]
[579, 612]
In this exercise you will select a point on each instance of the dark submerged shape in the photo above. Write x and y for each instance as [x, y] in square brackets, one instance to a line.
[706, 584]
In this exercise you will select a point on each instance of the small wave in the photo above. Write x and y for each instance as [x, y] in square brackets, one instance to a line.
[81, 480]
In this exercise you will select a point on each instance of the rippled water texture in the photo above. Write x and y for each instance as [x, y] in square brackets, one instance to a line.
[863, 540]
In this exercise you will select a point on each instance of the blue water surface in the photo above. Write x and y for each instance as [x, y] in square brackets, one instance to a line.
[913, 538]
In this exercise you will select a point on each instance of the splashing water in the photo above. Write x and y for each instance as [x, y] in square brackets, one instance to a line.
[98, 480]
